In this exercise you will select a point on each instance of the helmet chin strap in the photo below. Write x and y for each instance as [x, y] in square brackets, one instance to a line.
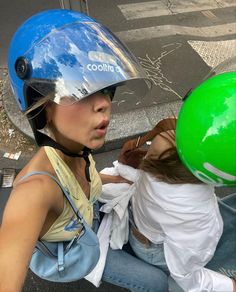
[44, 140]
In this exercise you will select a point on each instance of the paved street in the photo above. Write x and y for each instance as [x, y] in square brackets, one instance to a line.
[177, 42]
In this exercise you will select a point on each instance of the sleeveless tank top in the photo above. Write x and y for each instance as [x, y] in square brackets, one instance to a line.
[66, 226]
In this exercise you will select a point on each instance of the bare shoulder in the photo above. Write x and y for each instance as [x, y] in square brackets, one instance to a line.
[30, 201]
[39, 187]
[26, 213]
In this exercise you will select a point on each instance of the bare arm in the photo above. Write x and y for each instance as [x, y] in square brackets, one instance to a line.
[23, 219]
[106, 179]
[234, 285]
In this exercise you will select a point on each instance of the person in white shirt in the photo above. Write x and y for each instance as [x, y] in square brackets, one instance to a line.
[176, 223]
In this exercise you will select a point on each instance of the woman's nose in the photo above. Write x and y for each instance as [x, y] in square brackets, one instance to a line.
[102, 103]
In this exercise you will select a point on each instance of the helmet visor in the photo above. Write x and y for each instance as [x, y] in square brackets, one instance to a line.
[81, 59]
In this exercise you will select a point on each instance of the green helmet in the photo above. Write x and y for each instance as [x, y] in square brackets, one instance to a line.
[206, 130]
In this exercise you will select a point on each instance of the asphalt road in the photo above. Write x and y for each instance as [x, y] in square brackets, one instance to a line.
[177, 42]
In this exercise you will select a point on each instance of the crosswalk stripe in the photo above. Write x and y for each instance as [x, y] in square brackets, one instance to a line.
[209, 14]
[161, 8]
[171, 30]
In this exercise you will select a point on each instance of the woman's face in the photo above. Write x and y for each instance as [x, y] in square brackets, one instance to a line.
[80, 124]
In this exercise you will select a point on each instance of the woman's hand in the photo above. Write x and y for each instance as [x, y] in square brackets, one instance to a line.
[106, 179]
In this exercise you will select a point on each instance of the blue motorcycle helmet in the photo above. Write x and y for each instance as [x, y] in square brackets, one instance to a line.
[67, 56]
[66, 53]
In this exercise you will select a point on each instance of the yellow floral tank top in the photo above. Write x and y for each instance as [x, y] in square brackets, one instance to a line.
[66, 225]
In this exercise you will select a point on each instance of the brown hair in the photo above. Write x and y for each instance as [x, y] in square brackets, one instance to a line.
[168, 167]
[40, 102]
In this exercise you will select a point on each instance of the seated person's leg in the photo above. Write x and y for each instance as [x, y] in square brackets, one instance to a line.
[223, 261]
[129, 272]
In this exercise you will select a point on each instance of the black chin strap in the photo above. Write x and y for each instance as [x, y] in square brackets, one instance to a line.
[44, 140]
[86, 153]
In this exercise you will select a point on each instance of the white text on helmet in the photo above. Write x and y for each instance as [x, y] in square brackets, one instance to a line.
[103, 67]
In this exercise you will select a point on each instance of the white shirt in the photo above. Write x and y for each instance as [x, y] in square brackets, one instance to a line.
[114, 228]
[186, 219]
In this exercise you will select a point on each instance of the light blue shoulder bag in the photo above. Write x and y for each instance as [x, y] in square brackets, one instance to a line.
[66, 261]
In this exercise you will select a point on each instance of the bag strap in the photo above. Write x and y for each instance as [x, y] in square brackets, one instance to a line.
[64, 190]
[161, 126]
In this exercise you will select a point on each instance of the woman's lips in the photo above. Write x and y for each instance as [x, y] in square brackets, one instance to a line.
[101, 129]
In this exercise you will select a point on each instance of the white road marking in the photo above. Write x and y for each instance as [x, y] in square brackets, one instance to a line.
[148, 33]
[209, 14]
[161, 8]
[214, 52]
[153, 67]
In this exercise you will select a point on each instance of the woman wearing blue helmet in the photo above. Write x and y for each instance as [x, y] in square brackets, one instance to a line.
[64, 69]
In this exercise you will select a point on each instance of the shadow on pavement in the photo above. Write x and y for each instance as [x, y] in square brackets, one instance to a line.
[33, 283]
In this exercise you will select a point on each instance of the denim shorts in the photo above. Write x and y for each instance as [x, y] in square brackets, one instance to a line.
[223, 260]
[125, 270]
[151, 253]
